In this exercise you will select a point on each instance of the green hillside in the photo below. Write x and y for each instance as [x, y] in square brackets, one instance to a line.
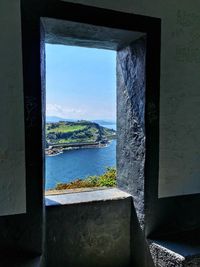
[77, 132]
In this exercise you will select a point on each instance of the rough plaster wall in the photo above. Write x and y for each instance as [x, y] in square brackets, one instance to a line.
[130, 122]
[12, 158]
[180, 109]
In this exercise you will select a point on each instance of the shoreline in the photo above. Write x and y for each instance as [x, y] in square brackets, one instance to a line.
[59, 149]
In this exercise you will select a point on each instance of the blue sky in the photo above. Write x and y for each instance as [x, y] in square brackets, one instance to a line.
[80, 82]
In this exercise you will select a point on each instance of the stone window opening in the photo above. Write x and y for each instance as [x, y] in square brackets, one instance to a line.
[131, 55]
[60, 22]
[81, 90]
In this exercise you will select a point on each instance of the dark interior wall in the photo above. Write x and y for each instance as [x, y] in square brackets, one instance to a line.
[89, 235]
[24, 232]
[173, 215]
[140, 252]
[168, 215]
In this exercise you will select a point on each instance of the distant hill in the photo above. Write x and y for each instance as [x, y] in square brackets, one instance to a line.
[57, 119]
[77, 132]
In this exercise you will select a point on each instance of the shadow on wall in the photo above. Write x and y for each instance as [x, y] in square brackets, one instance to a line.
[140, 252]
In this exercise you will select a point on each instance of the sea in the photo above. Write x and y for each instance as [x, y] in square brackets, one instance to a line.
[80, 163]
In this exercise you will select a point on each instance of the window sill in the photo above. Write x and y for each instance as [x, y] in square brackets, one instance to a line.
[85, 197]
[177, 252]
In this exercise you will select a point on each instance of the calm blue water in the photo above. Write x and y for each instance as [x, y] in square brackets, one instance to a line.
[79, 163]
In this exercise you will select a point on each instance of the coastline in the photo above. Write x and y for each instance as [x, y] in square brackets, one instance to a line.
[55, 150]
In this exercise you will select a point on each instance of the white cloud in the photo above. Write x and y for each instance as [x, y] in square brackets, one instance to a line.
[64, 112]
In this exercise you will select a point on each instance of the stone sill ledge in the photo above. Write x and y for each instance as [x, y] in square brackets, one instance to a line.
[176, 253]
[74, 190]
[85, 197]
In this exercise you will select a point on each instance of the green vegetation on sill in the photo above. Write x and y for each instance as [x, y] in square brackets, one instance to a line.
[107, 179]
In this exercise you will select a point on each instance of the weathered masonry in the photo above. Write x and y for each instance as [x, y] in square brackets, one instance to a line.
[152, 218]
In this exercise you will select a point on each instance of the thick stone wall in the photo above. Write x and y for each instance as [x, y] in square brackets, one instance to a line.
[130, 122]
[95, 234]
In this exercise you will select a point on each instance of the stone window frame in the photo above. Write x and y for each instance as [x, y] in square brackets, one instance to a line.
[33, 40]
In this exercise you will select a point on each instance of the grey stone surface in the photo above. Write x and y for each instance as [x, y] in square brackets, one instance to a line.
[89, 234]
[164, 257]
[168, 254]
[81, 34]
[130, 122]
[83, 197]
[181, 247]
